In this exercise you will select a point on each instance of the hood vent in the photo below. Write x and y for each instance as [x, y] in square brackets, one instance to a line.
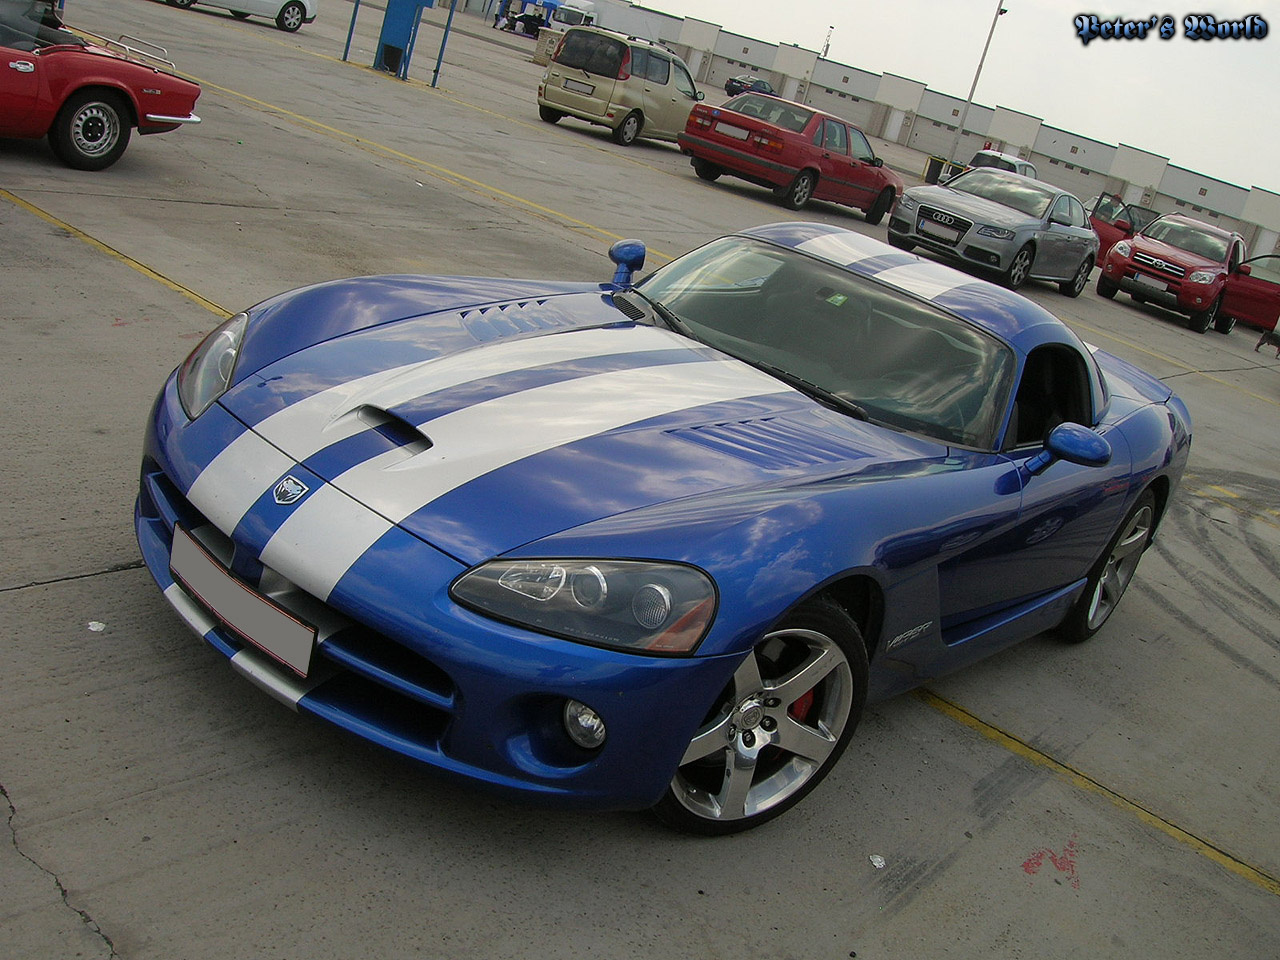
[397, 430]
[773, 443]
[512, 319]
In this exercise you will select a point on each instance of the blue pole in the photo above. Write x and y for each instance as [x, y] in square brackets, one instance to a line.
[443, 40]
[347, 49]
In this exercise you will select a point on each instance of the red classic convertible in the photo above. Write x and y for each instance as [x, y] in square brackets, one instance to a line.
[85, 93]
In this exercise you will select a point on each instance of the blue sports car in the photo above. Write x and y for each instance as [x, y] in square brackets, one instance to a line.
[647, 545]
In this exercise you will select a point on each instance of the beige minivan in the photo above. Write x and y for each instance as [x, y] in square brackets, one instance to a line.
[636, 88]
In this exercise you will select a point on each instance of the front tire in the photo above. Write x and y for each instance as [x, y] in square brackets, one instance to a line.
[1112, 573]
[778, 727]
[91, 130]
[1106, 289]
[629, 129]
[880, 207]
[1075, 286]
[800, 192]
[1200, 322]
[291, 16]
[1019, 267]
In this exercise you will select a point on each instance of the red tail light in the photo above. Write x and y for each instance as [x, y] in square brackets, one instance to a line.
[624, 70]
[768, 144]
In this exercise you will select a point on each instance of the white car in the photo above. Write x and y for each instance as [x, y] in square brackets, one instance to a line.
[288, 14]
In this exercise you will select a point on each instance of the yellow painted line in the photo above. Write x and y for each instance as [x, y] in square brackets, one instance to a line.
[1216, 854]
[124, 258]
[1225, 492]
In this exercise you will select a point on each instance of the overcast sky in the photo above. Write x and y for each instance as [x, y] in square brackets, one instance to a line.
[1211, 106]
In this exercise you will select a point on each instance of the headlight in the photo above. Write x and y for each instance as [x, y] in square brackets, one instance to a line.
[207, 372]
[1202, 276]
[999, 233]
[1123, 248]
[633, 605]
[906, 203]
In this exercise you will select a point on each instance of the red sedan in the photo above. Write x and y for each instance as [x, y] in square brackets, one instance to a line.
[797, 151]
[85, 93]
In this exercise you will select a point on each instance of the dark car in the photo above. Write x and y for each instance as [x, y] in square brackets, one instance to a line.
[741, 84]
[798, 152]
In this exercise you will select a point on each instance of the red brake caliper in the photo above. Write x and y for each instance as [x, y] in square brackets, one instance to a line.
[800, 709]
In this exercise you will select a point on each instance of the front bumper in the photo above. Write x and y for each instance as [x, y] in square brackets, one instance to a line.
[968, 246]
[398, 663]
[1172, 293]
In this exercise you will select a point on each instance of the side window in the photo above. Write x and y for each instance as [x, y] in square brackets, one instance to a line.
[1054, 389]
[1077, 212]
[639, 62]
[1061, 212]
[684, 83]
[859, 145]
[659, 70]
[834, 137]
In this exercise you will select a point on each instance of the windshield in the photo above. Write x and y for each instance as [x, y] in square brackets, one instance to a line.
[992, 160]
[1025, 196]
[905, 363]
[1189, 237]
[592, 52]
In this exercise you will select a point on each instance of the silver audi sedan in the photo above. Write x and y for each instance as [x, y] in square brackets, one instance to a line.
[1018, 227]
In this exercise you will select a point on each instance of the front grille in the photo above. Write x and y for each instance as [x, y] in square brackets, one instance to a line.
[1158, 265]
[940, 226]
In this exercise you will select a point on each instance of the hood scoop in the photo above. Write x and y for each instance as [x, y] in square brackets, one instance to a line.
[398, 431]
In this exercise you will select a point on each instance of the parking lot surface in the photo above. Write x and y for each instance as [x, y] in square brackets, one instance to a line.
[1114, 799]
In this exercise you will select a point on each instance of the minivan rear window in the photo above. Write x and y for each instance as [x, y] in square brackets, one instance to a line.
[592, 52]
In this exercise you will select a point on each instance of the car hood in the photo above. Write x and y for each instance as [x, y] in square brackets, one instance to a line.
[974, 208]
[480, 448]
[1164, 251]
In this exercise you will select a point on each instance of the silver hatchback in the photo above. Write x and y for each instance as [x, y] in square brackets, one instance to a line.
[1004, 222]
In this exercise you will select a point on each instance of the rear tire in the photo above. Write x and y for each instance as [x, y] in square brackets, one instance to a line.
[706, 170]
[880, 207]
[91, 130]
[182, 4]
[1112, 573]
[629, 129]
[549, 115]
[800, 192]
[1223, 323]
[1075, 286]
[291, 17]
[239, 14]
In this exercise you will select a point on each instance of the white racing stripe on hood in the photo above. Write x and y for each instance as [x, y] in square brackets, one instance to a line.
[844, 248]
[469, 443]
[230, 485]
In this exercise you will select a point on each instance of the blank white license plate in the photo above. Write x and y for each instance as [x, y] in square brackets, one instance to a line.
[938, 230]
[271, 629]
[1152, 282]
[729, 130]
[577, 86]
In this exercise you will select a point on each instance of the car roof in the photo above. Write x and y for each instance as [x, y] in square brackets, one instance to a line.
[624, 37]
[1007, 315]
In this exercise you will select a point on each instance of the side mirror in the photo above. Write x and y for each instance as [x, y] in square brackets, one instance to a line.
[877, 162]
[1244, 269]
[1060, 220]
[1073, 443]
[700, 96]
[629, 257]
[1124, 226]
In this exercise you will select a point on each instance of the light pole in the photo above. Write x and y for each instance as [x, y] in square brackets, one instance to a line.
[955, 145]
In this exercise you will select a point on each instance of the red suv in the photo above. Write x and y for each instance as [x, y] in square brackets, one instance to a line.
[1194, 268]
[798, 152]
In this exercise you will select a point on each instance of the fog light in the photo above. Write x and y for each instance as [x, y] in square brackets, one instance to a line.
[584, 726]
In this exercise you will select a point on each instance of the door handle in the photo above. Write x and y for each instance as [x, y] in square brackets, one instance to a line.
[22, 66]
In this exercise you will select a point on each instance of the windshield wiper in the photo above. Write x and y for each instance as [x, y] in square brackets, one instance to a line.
[821, 394]
[667, 317]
